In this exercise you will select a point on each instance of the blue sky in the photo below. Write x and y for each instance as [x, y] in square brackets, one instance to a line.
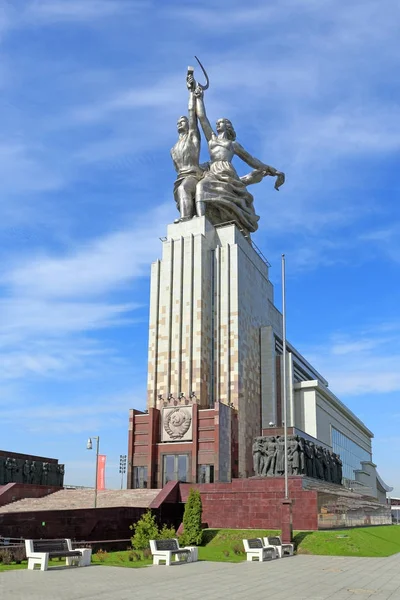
[90, 91]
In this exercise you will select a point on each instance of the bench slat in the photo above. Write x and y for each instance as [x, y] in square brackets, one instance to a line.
[255, 543]
[50, 545]
[167, 545]
[54, 554]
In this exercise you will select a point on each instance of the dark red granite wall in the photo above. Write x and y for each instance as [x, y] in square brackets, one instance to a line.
[255, 503]
[11, 492]
[83, 524]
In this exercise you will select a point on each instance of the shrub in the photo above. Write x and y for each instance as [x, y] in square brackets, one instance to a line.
[6, 557]
[18, 555]
[101, 555]
[237, 549]
[145, 530]
[147, 553]
[192, 530]
[166, 533]
[134, 556]
[225, 553]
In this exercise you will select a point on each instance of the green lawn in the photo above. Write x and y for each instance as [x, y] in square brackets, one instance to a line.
[225, 545]
[363, 541]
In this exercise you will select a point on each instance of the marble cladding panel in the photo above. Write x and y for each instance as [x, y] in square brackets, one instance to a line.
[180, 320]
[224, 450]
[253, 310]
[210, 295]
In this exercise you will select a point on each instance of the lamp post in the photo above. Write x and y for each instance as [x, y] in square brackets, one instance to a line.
[285, 436]
[89, 446]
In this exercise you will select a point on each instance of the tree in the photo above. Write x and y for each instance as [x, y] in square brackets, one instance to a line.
[145, 529]
[192, 530]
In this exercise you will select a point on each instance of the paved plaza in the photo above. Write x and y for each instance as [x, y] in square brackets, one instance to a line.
[297, 578]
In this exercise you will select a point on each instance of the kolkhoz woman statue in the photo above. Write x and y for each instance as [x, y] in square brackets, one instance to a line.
[221, 194]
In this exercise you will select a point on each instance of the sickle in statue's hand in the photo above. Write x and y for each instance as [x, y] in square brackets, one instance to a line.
[203, 87]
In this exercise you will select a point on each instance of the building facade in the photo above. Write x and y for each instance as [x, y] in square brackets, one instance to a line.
[215, 370]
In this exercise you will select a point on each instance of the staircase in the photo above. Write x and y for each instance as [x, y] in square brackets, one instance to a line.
[68, 499]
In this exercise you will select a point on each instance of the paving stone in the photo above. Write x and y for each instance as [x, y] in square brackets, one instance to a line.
[299, 578]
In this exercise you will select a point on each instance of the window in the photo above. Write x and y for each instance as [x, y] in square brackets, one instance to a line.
[205, 474]
[140, 477]
[175, 468]
[350, 453]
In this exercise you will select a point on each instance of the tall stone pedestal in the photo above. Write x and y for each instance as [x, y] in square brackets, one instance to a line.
[210, 295]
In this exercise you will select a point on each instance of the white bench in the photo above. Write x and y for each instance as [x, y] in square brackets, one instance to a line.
[282, 549]
[255, 548]
[167, 550]
[38, 552]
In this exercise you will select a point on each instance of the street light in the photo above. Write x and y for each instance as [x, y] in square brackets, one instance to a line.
[89, 446]
[122, 467]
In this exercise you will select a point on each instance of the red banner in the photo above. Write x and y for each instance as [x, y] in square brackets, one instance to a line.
[101, 472]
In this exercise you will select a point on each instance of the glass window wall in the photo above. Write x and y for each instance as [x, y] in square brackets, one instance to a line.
[350, 453]
[175, 468]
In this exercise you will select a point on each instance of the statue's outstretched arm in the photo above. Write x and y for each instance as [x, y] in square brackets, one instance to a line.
[260, 166]
[251, 160]
[201, 113]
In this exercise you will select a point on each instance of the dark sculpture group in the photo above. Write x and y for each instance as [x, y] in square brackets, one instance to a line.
[304, 458]
[19, 470]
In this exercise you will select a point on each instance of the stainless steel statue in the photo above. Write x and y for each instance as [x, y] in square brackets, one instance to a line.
[214, 190]
[185, 155]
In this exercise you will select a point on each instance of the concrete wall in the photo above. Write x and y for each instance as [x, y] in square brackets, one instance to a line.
[317, 410]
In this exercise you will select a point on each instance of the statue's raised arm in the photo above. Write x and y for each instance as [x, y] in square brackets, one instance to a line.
[201, 114]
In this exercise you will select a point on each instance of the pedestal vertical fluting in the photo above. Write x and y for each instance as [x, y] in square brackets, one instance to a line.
[210, 295]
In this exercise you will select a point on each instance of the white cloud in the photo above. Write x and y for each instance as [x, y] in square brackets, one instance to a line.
[31, 316]
[51, 301]
[81, 414]
[22, 170]
[95, 268]
[53, 11]
[386, 241]
[364, 363]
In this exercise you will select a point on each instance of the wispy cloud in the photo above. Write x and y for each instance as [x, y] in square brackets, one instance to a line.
[89, 413]
[364, 363]
[386, 241]
[49, 12]
[59, 298]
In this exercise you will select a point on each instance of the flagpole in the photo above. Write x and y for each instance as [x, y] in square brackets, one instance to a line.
[285, 436]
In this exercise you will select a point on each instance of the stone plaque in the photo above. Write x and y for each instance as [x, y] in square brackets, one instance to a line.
[176, 424]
